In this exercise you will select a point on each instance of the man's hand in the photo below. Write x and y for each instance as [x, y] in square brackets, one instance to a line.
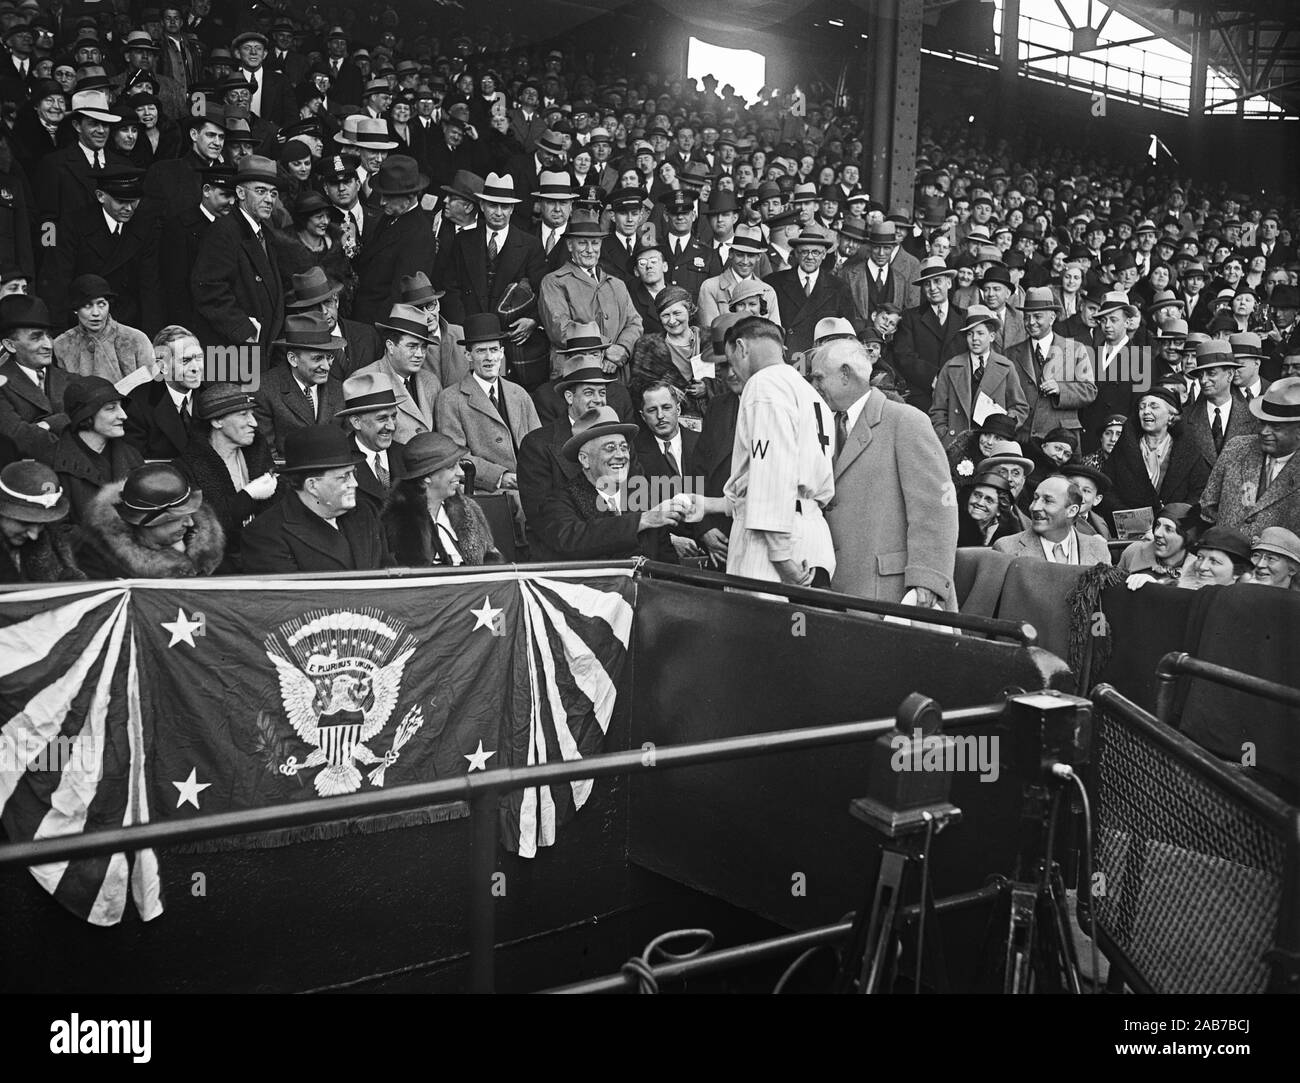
[715, 544]
[795, 573]
[508, 481]
[925, 598]
[614, 357]
[521, 329]
[1048, 386]
[667, 513]
[696, 389]
[684, 546]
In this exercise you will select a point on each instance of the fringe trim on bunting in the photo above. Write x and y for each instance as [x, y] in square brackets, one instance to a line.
[334, 829]
[1090, 651]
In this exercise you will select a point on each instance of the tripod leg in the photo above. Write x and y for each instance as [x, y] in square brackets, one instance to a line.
[880, 958]
[1018, 971]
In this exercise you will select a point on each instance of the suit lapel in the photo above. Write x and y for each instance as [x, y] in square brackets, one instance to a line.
[169, 421]
[314, 532]
[22, 386]
[479, 401]
[861, 436]
[296, 401]
[1281, 487]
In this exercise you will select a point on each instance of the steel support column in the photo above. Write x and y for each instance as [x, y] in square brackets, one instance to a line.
[1199, 77]
[1009, 120]
[896, 94]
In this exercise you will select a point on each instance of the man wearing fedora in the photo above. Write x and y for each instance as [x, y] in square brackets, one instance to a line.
[114, 242]
[745, 254]
[976, 382]
[318, 525]
[581, 292]
[806, 293]
[1120, 367]
[447, 152]
[238, 296]
[31, 396]
[141, 55]
[176, 184]
[1220, 413]
[444, 354]
[406, 338]
[35, 540]
[1248, 350]
[555, 199]
[1255, 483]
[369, 416]
[230, 461]
[398, 244]
[65, 179]
[885, 276]
[314, 293]
[151, 525]
[929, 334]
[485, 412]
[996, 289]
[491, 262]
[1055, 372]
[302, 392]
[1053, 534]
[584, 348]
[591, 516]
[181, 237]
[457, 213]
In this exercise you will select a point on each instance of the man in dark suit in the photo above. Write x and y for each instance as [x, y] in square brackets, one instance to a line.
[806, 293]
[447, 152]
[666, 452]
[930, 334]
[31, 397]
[618, 249]
[689, 261]
[301, 393]
[270, 94]
[318, 525]
[65, 179]
[238, 298]
[397, 244]
[182, 236]
[369, 414]
[282, 59]
[555, 198]
[160, 414]
[114, 241]
[175, 184]
[485, 262]
[346, 79]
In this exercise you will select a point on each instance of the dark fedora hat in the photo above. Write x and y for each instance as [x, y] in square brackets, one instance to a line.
[417, 290]
[157, 493]
[585, 227]
[218, 400]
[996, 273]
[19, 310]
[399, 176]
[86, 288]
[1079, 468]
[257, 168]
[465, 184]
[482, 327]
[428, 452]
[309, 332]
[602, 421]
[30, 492]
[855, 229]
[311, 288]
[318, 447]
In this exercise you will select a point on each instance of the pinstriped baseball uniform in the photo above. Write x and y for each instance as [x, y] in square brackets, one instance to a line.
[781, 476]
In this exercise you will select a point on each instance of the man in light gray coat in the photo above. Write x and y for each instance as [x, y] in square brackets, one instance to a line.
[894, 516]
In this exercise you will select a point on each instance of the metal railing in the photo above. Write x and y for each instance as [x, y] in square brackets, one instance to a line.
[482, 791]
[1177, 664]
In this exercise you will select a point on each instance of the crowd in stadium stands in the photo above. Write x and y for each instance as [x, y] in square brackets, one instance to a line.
[287, 291]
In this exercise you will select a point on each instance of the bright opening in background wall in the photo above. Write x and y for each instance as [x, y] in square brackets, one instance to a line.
[743, 69]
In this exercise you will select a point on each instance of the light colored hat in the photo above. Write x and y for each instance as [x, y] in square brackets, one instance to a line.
[978, 314]
[498, 188]
[1280, 402]
[934, 267]
[1277, 539]
[1117, 301]
[1005, 453]
[833, 327]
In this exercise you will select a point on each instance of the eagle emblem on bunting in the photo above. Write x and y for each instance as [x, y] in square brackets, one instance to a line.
[340, 674]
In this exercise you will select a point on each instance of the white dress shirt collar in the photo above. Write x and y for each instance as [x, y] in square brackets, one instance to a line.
[855, 411]
[1071, 543]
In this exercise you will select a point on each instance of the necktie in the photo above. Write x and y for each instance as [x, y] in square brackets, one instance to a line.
[381, 472]
[40, 381]
[336, 68]
[807, 285]
[976, 377]
[1041, 357]
[186, 414]
[492, 247]
[671, 459]
[22, 69]
[880, 278]
[492, 396]
[99, 160]
[117, 230]
[310, 392]
[411, 390]
[1216, 430]
[677, 248]
[252, 84]
[550, 240]
[1058, 551]
[841, 431]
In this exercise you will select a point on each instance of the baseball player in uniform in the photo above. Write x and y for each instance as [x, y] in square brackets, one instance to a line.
[781, 466]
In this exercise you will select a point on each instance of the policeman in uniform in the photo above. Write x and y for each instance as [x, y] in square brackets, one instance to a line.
[782, 473]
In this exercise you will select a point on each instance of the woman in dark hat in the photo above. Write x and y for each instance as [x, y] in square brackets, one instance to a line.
[1154, 462]
[1162, 556]
[984, 512]
[152, 525]
[36, 128]
[293, 173]
[977, 444]
[427, 518]
[314, 239]
[124, 134]
[160, 138]
[230, 461]
[98, 345]
[1221, 557]
[92, 451]
[37, 540]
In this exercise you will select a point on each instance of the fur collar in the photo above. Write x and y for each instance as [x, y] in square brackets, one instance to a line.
[410, 530]
[120, 555]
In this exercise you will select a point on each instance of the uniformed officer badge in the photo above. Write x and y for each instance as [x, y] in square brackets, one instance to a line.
[699, 263]
[340, 674]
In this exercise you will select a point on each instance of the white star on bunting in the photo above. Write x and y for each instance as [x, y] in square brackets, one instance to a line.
[478, 760]
[190, 789]
[486, 616]
[182, 628]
